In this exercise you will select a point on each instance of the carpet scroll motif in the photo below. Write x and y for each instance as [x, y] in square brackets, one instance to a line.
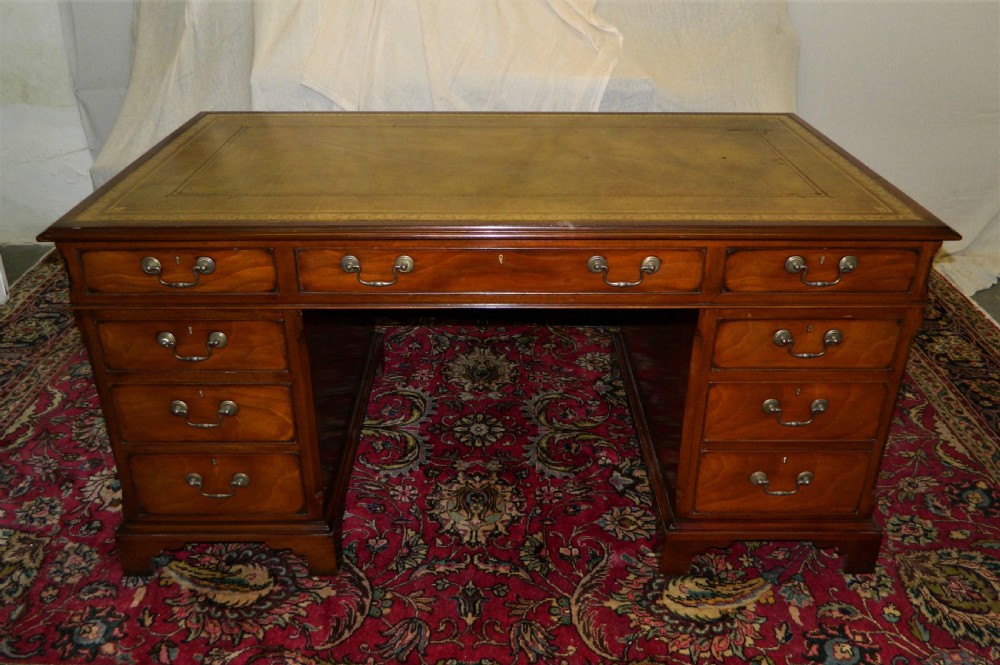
[498, 513]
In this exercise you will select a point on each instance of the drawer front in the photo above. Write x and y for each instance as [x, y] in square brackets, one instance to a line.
[805, 343]
[792, 411]
[766, 483]
[500, 271]
[179, 272]
[825, 270]
[243, 486]
[193, 345]
[196, 413]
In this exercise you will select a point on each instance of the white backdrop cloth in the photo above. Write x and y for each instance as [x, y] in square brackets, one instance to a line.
[448, 55]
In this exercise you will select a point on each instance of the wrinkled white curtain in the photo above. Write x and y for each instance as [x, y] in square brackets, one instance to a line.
[543, 55]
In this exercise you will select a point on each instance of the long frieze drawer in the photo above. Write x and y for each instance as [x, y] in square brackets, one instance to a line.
[239, 485]
[194, 344]
[805, 343]
[186, 272]
[826, 270]
[215, 413]
[770, 483]
[793, 411]
[500, 270]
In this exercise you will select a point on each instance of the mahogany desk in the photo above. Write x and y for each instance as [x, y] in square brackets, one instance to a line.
[765, 288]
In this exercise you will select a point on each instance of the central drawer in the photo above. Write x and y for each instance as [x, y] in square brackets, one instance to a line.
[438, 270]
[203, 413]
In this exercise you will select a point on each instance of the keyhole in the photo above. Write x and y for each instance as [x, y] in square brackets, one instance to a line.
[822, 259]
[190, 331]
[201, 393]
[500, 258]
[809, 328]
[784, 460]
[215, 462]
[177, 260]
[798, 391]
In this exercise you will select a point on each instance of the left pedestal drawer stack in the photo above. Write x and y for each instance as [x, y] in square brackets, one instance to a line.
[205, 407]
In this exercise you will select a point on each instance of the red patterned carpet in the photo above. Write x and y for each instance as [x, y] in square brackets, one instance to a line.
[499, 513]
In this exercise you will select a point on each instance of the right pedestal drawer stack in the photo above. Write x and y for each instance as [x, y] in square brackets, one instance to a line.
[789, 405]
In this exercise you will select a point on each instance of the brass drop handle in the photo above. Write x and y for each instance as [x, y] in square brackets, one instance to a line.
[195, 480]
[784, 338]
[599, 265]
[759, 478]
[773, 407]
[226, 408]
[215, 340]
[797, 264]
[351, 264]
[203, 265]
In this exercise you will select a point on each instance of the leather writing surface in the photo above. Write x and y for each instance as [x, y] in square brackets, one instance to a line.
[531, 169]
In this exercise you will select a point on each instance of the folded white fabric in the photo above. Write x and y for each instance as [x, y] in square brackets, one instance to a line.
[438, 55]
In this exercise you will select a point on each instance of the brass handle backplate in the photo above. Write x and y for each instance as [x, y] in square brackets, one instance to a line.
[203, 265]
[773, 407]
[351, 264]
[784, 338]
[759, 478]
[215, 340]
[226, 408]
[797, 264]
[238, 480]
[599, 265]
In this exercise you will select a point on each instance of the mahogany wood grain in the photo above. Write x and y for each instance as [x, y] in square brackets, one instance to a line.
[161, 487]
[236, 271]
[724, 484]
[250, 345]
[865, 343]
[878, 270]
[503, 270]
[735, 410]
[264, 413]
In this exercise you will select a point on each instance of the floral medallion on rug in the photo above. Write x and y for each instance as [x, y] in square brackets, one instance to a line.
[498, 512]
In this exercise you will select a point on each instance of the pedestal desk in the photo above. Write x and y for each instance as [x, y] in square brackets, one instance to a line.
[763, 288]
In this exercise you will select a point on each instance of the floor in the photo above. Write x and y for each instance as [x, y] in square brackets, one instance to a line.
[18, 259]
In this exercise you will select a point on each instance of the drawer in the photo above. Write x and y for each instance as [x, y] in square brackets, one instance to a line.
[821, 270]
[196, 344]
[768, 483]
[805, 343]
[793, 411]
[196, 413]
[179, 271]
[243, 486]
[500, 270]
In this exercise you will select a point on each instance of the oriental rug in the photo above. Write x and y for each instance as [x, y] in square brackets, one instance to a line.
[498, 513]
